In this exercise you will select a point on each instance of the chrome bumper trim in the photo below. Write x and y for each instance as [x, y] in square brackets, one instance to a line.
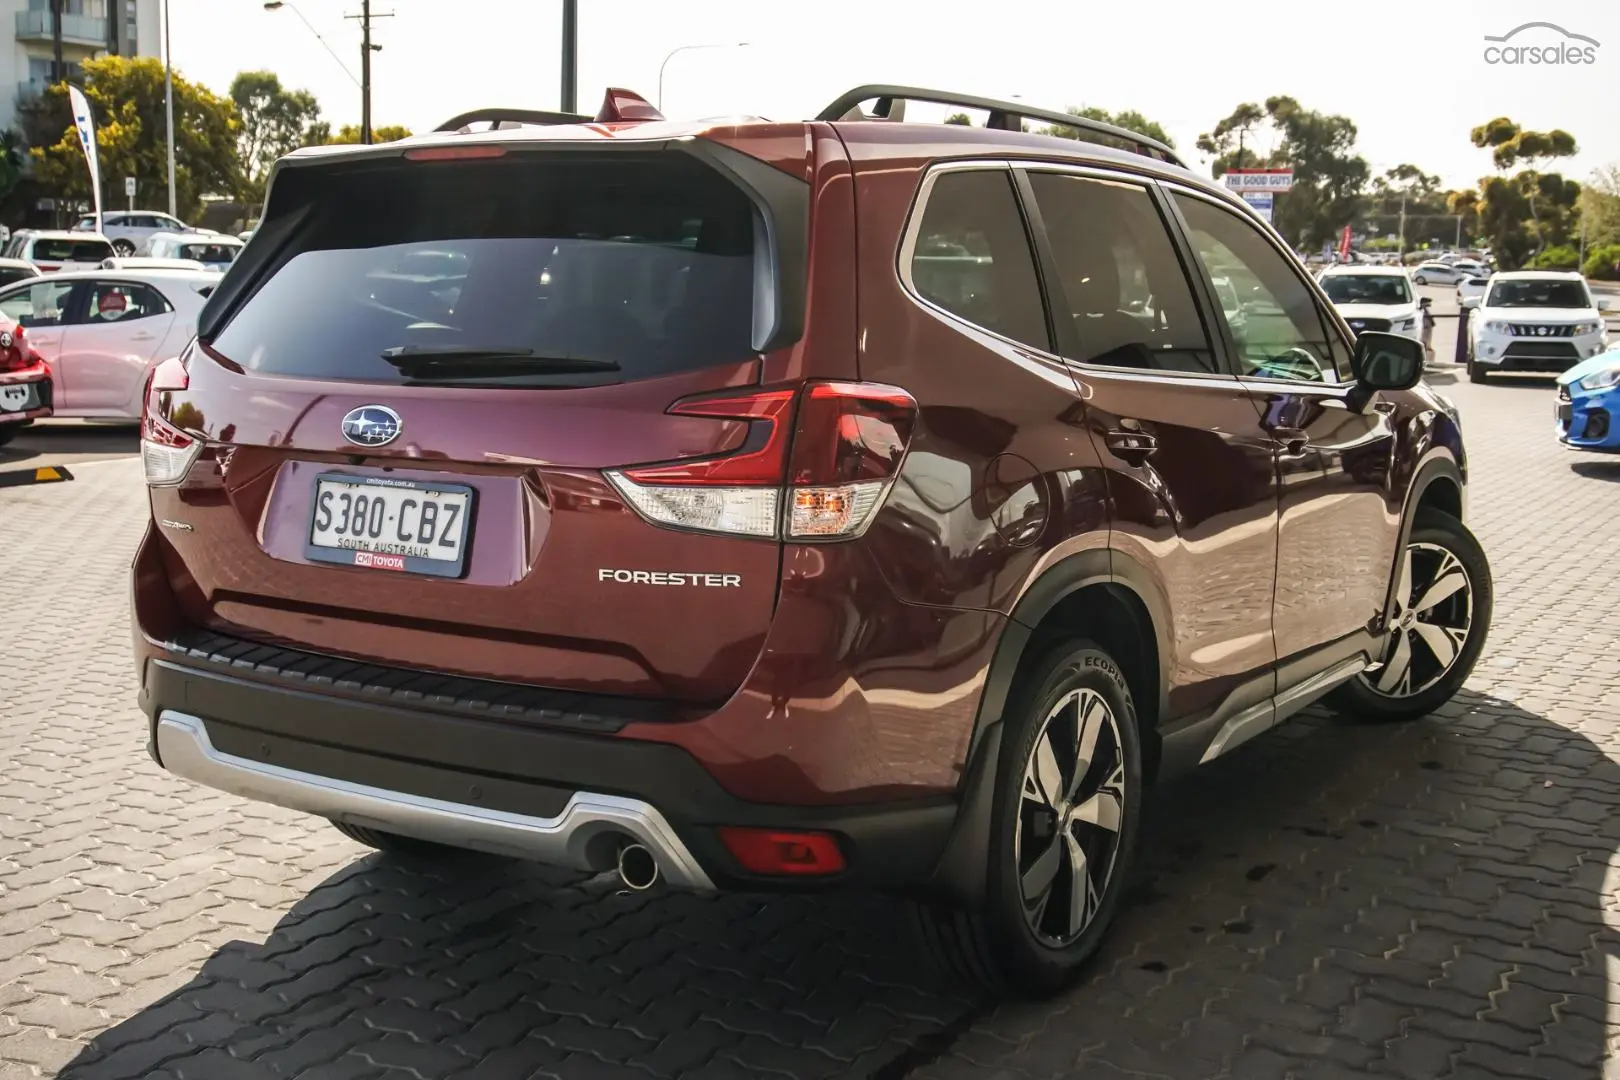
[581, 837]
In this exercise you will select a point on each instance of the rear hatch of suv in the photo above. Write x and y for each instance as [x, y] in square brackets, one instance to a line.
[421, 397]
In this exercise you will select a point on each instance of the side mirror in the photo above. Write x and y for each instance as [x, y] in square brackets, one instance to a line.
[1384, 362]
[1470, 302]
[1603, 303]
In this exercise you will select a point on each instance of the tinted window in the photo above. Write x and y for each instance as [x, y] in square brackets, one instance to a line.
[973, 258]
[1120, 277]
[122, 301]
[66, 250]
[1279, 333]
[1367, 288]
[645, 262]
[209, 253]
[1550, 292]
[44, 304]
[8, 274]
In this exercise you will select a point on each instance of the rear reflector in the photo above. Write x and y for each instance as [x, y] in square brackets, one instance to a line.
[767, 851]
[826, 483]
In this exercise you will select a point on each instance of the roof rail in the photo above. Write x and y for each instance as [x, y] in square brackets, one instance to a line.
[498, 116]
[1004, 115]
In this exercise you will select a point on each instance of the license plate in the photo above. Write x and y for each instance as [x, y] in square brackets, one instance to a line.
[19, 397]
[380, 523]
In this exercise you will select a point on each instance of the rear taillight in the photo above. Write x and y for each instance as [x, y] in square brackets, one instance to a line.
[167, 452]
[826, 483]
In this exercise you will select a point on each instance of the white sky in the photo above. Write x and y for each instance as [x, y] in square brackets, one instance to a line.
[1412, 76]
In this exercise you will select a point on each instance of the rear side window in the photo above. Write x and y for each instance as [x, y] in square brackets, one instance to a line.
[9, 274]
[65, 250]
[644, 262]
[972, 256]
[1120, 276]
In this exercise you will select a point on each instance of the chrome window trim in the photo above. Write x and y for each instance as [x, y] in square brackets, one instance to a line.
[908, 251]
[1146, 183]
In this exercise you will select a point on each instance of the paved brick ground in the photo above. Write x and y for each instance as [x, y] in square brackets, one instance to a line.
[1433, 900]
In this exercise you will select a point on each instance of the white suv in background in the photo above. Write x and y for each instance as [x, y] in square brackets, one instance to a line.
[1373, 298]
[129, 229]
[1534, 321]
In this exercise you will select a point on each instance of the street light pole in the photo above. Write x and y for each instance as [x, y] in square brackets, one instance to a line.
[366, 49]
[570, 56]
[168, 108]
[683, 48]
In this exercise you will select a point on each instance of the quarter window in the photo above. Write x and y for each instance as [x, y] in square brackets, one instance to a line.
[973, 259]
[1278, 328]
[1120, 277]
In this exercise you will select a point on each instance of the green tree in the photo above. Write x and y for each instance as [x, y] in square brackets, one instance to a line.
[274, 121]
[1600, 206]
[1512, 145]
[1329, 176]
[126, 95]
[1129, 119]
[1228, 142]
[960, 119]
[322, 134]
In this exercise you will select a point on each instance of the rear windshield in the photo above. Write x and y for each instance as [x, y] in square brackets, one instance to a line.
[1545, 293]
[645, 262]
[209, 253]
[87, 251]
[8, 274]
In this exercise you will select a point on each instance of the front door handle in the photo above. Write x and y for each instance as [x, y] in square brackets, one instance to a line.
[1132, 447]
[1291, 442]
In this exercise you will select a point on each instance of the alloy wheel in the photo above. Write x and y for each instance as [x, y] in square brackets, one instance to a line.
[1070, 816]
[1434, 609]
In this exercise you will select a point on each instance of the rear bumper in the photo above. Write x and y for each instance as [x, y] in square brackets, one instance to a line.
[559, 797]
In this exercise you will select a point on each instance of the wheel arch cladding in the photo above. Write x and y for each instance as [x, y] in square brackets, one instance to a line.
[1097, 595]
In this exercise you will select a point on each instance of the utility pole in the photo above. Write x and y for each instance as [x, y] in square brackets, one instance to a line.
[366, 49]
[168, 109]
[1403, 228]
[570, 56]
[1580, 262]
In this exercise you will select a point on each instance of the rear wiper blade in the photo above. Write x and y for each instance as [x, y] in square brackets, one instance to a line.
[463, 362]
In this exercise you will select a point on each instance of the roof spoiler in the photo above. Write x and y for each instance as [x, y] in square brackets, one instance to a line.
[618, 107]
[1004, 115]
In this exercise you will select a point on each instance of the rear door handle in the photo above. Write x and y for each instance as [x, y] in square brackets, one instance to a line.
[1132, 447]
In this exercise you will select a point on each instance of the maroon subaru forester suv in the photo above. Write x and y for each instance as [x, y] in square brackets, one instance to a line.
[751, 505]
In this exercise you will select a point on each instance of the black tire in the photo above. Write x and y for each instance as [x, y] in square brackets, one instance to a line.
[1476, 371]
[404, 846]
[1420, 280]
[123, 248]
[9, 432]
[1360, 697]
[996, 949]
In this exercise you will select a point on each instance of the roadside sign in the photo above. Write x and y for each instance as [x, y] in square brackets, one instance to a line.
[129, 187]
[1258, 179]
[1261, 202]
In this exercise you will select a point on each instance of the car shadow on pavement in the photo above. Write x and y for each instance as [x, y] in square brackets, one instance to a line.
[1596, 468]
[70, 439]
[1411, 899]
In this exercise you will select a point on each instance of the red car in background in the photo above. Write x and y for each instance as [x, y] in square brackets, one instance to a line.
[25, 382]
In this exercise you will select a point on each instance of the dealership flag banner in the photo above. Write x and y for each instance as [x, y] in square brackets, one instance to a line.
[85, 122]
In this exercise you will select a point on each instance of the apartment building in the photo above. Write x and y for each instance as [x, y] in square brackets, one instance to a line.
[58, 35]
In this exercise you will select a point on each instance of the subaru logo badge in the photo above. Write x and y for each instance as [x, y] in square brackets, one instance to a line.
[372, 425]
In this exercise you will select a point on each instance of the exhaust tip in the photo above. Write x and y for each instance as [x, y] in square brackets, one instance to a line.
[637, 867]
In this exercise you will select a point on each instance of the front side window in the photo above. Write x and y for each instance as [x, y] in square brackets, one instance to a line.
[44, 304]
[1280, 333]
[122, 301]
[1120, 277]
[973, 259]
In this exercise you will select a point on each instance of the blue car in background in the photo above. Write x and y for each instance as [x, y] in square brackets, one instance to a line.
[1589, 403]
